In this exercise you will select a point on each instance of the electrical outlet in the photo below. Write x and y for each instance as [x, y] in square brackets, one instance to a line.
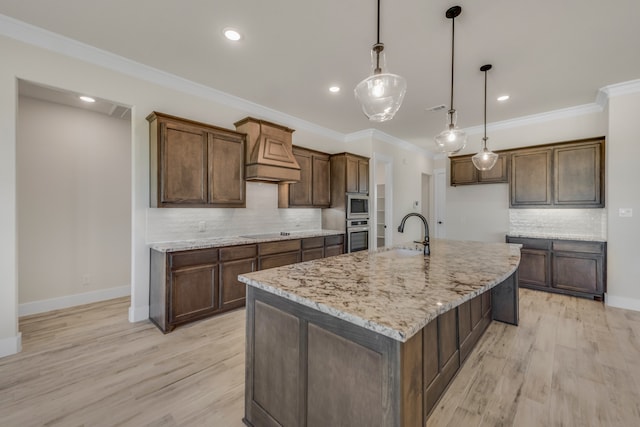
[625, 212]
[202, 226]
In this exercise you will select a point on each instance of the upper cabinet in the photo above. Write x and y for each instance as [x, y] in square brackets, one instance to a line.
[313, 190]
[567, 175]
[463, 172]
[194, 164]
[349, 174]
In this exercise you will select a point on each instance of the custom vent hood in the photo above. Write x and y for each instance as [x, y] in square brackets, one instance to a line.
[269, 154]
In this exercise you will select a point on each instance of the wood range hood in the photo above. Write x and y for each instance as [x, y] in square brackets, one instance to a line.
[269, 155]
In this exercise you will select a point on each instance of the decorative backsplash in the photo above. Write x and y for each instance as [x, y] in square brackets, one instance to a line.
[260, 216]
[580, 224]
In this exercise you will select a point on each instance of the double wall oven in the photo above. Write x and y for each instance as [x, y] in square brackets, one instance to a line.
[357, 212]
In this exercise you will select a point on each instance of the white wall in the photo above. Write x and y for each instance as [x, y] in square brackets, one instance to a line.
[74, 202]
[623, 177]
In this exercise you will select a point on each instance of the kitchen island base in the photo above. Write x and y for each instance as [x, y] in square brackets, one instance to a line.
[308, 368]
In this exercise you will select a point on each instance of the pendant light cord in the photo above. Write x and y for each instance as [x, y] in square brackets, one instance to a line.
[378, 21]
[485, 108]
[453, 34]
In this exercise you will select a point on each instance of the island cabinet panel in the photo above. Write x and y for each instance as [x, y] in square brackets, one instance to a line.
[330, 356]
[347, 375]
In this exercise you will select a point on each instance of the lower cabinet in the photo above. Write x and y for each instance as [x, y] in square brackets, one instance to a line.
[195, 284]
[571, 267]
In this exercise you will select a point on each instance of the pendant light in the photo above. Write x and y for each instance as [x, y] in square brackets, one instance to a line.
[451, 140]
[485, 159]
[380, 94]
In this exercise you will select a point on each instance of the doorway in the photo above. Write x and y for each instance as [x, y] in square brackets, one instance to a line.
[73, 165]
[382, 200]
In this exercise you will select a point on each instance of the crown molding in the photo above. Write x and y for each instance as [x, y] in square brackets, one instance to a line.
[618, 89]
[39, 37]
[389, 139]
[548, 116]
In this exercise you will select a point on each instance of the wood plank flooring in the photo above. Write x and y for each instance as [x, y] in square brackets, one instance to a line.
[571, 362]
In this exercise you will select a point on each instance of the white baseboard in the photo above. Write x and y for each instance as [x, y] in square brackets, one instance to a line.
[138, 314]
[622, 302]
[43, 306]
[11, 345]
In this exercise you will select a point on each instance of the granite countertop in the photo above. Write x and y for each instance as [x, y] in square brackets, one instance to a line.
[557, 237]
[395, 296]
[217, 242]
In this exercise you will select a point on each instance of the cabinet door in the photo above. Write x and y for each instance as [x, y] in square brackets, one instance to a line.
[463, 171]
[300, 192]
[579, 175]
[531, 176]
[226, 171]
[183, 170]
[321, 180]
[192, 293]
[534, 268]
[363, 176]
[578, 273]
[498, 173]
[232, 291]
[352, 175]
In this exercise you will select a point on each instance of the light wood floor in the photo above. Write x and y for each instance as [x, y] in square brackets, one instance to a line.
[571, 362]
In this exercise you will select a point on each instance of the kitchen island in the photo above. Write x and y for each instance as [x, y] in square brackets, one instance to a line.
[370, 339]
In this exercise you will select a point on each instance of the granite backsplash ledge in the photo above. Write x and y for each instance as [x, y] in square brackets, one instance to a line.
[570, 224]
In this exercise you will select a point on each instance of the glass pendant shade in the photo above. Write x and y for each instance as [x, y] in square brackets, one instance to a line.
[451, 140]
[484, 159]
[380, 94]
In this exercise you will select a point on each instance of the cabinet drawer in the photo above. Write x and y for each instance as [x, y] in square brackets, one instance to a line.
[196, 257]
[531, 243]
[311, 254]
[238, 252]
[279, 247]
[313, 242]
[279, 260]
[334, 240]
[582, 247]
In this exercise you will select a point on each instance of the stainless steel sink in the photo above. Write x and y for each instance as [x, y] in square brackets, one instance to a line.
[400, 253]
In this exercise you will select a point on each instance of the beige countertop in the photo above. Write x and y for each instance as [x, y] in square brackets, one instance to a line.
[217, 242]
[394, 293]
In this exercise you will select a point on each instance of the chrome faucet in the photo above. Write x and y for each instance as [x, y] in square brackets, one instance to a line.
[427, 251]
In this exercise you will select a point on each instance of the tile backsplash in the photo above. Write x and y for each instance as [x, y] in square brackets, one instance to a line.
[582, 224]
[260, 216]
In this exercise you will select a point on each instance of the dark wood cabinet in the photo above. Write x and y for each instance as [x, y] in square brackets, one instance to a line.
[194, 164]
[349, 174]
[564, 175]
[563, 266]
[195, 284]
[313, 190]
[235, 260]
[463, 172]
[531, 174]
[579, 175]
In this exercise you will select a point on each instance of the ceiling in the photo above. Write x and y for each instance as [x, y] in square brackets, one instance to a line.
[546, 54]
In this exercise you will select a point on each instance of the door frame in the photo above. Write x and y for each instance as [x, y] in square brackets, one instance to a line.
[388, 202]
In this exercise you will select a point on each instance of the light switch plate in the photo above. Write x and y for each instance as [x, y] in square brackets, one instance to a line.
[625, 212]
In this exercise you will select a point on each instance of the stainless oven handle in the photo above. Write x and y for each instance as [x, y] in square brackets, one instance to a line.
[357, 229]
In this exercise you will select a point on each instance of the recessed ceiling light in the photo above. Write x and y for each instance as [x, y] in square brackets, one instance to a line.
[503, 98]
[334, 89]
[232, 34]
[87, 99]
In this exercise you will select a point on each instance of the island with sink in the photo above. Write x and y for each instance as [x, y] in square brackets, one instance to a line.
[370, 338]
